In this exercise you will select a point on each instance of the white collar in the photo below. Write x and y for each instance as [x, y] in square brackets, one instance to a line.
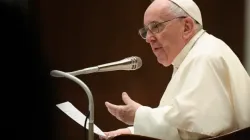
[181, 56]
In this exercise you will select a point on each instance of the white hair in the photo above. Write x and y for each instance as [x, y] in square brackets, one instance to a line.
[178, 12]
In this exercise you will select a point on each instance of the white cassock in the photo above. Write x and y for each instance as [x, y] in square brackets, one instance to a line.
[208, 95]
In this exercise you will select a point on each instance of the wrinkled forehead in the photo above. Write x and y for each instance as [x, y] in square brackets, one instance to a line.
[156, 12]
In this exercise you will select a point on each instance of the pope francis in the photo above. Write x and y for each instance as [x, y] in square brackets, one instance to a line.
[209, 92]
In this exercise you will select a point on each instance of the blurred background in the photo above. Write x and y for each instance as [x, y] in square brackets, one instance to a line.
[43, 35]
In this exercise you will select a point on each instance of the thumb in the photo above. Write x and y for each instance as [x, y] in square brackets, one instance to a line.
[126, 99]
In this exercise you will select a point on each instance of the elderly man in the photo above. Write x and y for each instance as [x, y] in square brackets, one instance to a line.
[209, 92]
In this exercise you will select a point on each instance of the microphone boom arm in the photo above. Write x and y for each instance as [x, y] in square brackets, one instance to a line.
[130, 63]
[57, 73]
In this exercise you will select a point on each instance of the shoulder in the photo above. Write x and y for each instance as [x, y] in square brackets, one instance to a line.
[209, 49]
[208, 52]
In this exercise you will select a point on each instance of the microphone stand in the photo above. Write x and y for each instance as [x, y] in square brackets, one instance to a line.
[57, 73]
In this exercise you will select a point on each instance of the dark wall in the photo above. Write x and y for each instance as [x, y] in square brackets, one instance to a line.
[26, 104]
[69, 35]
[79, 34]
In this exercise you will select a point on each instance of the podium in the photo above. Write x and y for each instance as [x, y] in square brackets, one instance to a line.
[242, 134]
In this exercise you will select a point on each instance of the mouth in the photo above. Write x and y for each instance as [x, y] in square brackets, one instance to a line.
[156, 46]
[156, 49]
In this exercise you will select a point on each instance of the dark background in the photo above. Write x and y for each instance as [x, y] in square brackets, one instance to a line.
[67, 35]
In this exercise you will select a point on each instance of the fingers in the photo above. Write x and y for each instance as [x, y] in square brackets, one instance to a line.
[126, 99]
[109, 135]
[102, 137]
[114, 133]
[105, 137]
[113, 109]
[124, 113]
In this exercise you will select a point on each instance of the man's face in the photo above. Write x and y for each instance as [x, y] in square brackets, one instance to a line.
[165, 38]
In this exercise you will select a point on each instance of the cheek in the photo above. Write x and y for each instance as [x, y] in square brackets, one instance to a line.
[172, 39]
[167, 41]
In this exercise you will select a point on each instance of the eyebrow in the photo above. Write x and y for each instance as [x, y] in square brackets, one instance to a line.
[154, 21]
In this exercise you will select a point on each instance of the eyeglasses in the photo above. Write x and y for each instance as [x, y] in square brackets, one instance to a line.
[154, 27]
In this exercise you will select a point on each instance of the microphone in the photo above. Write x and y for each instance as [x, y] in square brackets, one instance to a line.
[129, 63]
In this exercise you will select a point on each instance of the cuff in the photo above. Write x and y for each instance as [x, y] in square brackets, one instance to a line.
[131, 129]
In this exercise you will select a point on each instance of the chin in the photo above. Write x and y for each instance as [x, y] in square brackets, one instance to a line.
[163, 62]
[166, 64]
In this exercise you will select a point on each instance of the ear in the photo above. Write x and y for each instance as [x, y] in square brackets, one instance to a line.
[188, 27]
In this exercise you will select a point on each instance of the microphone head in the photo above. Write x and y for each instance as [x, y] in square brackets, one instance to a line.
[136, 62]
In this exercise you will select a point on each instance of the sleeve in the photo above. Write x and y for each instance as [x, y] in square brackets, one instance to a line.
[202, 105]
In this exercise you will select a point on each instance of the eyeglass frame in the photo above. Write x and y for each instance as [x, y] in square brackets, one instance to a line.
[155, 24]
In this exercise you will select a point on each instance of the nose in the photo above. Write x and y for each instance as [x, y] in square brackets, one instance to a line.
[150, 37]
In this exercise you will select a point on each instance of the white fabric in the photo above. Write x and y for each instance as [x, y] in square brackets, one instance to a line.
[191, 8]
[208, 95]
[131, 128]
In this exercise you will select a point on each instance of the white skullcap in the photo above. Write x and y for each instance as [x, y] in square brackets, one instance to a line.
[190, 7]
